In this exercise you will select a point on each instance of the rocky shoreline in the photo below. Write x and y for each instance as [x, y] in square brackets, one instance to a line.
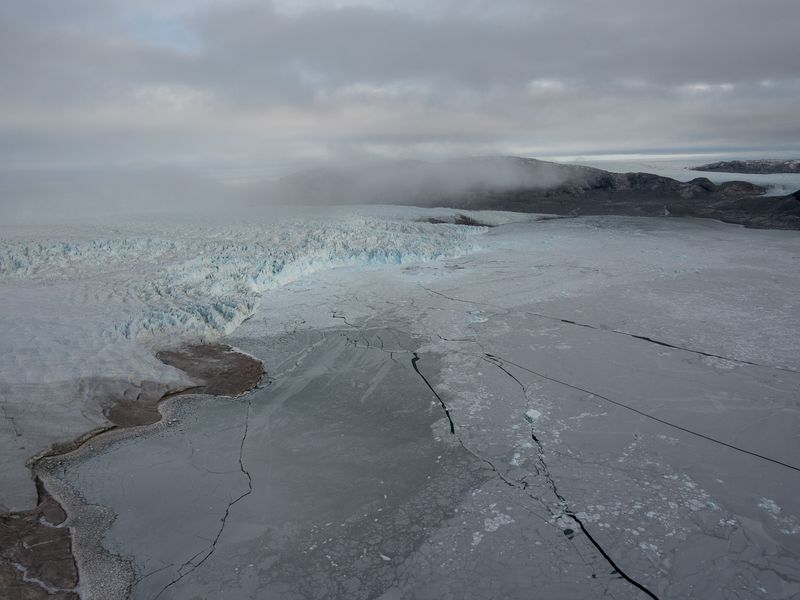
[36, 545]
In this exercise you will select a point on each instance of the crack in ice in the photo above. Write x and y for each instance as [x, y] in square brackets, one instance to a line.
[651, 340]
[646, 415]
[414, 362]
[11, 421]
[543, 470]
[208, 551]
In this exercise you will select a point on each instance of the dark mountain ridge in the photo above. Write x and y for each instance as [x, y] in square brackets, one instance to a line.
[754, 167]
[530, 185]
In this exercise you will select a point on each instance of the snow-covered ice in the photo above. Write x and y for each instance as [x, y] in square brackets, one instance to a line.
[575, 362]
[80, 304]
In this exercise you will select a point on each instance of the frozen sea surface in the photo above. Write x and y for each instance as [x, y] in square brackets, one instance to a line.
[581, 408]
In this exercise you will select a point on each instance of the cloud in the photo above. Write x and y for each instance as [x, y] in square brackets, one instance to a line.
[114, 81]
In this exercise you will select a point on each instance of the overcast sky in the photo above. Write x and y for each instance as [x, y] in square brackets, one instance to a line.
[96, 82]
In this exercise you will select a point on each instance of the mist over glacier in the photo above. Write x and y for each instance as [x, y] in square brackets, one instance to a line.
[162, 191]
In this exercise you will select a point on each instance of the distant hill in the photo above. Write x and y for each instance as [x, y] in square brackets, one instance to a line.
[529, 185]
[756, 167]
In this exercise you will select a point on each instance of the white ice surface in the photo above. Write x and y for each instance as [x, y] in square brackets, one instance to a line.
[662, 501]
[80, 304]
[685, 516]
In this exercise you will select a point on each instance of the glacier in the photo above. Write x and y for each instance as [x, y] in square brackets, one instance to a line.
[204, 282]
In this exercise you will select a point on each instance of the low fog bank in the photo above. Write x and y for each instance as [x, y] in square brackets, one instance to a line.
[88, 195]
[99, 194]
[418, 182]
[154, 194]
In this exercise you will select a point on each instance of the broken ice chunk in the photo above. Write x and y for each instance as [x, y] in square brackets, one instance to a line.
[532, 416]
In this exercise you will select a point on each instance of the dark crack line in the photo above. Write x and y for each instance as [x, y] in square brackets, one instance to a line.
[567, 511]
[335, 315]
[523, 485]
[520, 485]
[543, 469]
[362, 335]
[223, 521]
[646, 415]
[645, 338]
[451, 298]
[610, 560]
[501, 310]
[11, 421]
[138, 580]
[493, 361]
[414, 361]
[444, 339]
[511, 483]
[369, 346]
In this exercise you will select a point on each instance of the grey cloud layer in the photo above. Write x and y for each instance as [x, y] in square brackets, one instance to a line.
[244, 77]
